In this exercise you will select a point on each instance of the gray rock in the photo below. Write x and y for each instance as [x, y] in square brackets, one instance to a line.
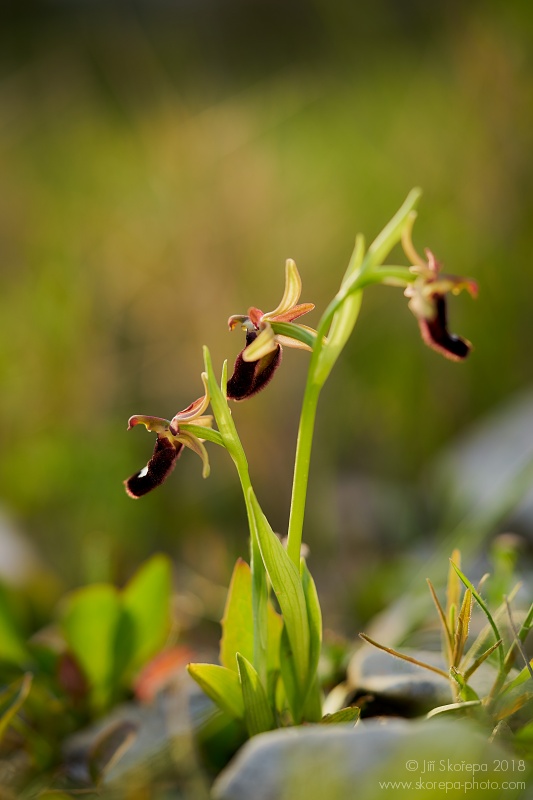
[338, 762]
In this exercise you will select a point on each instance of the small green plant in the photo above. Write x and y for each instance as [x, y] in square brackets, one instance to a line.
[61, 678]
[507, 694]
[267, 676]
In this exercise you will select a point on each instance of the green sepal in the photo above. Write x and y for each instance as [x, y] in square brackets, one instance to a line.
[257, 711]
[222, 685]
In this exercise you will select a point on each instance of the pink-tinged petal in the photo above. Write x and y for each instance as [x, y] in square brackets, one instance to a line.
[255, 315]
[157, 424]
[250, 377]
[237, 319]
[195, 409]
[292, 313]
[436, 335]
[157, 470]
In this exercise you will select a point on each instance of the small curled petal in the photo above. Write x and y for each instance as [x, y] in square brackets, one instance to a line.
[156, 424]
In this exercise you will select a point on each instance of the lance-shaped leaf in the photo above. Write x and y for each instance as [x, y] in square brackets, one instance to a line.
[237, 622]
[344, 319]
[287, 586]
[342, 717]
[257, 712]
[314, 616]
[221, 685]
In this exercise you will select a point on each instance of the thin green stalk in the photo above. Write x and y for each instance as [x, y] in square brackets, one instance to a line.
[232, 442]
[359, 274]
[304, 445]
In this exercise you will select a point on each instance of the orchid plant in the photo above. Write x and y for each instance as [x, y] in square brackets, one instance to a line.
[267, 676]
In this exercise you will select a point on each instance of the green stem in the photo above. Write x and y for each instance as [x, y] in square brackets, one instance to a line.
[304, 445]
[360, 273]
[230, 439]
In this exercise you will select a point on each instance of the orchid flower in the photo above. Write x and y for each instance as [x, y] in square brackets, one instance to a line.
[171, 439]
[256, 364]
[427, 301]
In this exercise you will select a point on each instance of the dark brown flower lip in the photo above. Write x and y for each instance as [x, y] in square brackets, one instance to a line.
[163, 461]
[251, 377]
[436, 335]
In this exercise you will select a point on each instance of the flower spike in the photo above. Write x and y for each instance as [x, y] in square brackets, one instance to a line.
[256, 364]
[171, 440]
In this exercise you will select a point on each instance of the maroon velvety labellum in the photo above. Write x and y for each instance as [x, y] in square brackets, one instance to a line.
[249, 377]
[157, 470]
[435, 334]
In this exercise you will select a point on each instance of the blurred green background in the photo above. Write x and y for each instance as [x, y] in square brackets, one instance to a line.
[159, 163]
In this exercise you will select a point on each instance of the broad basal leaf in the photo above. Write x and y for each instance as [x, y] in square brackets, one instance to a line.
[221, 685]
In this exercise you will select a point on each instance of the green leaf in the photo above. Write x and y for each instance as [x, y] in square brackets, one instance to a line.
[12, 645]
[89, 621]
[274, 629]
[511, 702]
[344, 319]
[483, 606]
[9, 714]
[523, 676]
[314, 616]
[454, 708]
[221, 685]
[146, 600]
[343, 716]
[287, 586]
[237, 622]
[466, 692]
[257, 712]
[293, 692]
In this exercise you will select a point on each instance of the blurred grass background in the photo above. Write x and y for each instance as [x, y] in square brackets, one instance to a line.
[159, 163]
